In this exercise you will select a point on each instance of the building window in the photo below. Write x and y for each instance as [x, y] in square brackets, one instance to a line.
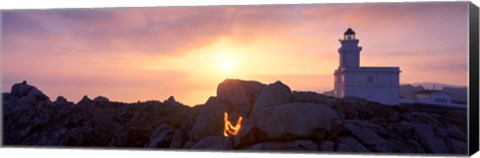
[349, 37]
[370, 79]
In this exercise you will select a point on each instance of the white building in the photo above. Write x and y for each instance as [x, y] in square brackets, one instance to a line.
[433, 97]
[379, 84]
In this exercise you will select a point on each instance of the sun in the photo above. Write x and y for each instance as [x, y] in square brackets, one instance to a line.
[226, 65]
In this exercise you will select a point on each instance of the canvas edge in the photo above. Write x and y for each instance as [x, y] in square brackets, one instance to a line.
[473, 109]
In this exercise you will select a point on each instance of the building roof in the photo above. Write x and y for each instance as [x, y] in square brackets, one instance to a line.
[349, 32]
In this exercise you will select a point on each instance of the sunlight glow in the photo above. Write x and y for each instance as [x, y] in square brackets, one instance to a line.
[226, 65]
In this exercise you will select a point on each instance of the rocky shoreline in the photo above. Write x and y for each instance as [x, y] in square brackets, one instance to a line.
[274, 119]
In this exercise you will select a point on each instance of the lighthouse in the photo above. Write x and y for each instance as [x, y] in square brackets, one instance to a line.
[349, 51]
[378, 84]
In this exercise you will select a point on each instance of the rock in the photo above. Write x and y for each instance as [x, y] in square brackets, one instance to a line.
[301, 145]
[101, 99]
[367, 134]
[32, 119]
[180, 137]
[211, 142]
[454, 132]
[422, 118]
[414, 146]
[343, 148]
[61, 99]
[63, 102]
[229, 143]
[351, 144]
[129, 137]
[312, 97]
[75, 137]
[5, 96]
[85, 100]
[239, 95]
[28, 94]
[286, 122]
[326, 146]
[21, 89]
[189, 144]
[274, 119]
[273, 95]
[320, 134]
[209, 121]
[161, 137]
[153, 102]
[351, 100]
[353, 108]
[38, 95]
[426, 137]
[457, 146]
[404, 145]
[170, 101]
[402, 130]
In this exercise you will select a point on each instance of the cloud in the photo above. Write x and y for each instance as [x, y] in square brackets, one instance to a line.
[112, 46]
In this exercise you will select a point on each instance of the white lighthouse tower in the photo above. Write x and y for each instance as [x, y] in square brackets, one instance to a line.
[379, 84]
[349, 51]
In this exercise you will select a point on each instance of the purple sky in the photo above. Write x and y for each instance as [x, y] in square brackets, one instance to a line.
[130, 54]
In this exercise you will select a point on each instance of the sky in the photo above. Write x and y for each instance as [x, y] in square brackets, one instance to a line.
[151, 53]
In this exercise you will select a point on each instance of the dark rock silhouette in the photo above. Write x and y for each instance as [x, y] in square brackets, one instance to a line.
[85, 100]
[239, 96]
[274, 118]
[210, 119]
[273, 95]
[101, 99]
[161, 137]
[286, 122]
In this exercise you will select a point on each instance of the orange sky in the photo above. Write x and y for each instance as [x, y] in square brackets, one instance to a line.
[131, 54]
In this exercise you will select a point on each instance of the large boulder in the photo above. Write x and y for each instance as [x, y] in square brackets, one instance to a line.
[28, 95]
[61, 100]
[239, 95]
[369, 134]
[180, 137]
[20, 89]
[161, 137]
[403, 136]
[455, 132]
[273, 95]
[286, 122]
[210, 119]
[37, 95]
[101, 99]
[426, 137]
[350, 144]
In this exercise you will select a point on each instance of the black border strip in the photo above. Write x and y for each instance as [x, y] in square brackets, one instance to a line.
[474, 79]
